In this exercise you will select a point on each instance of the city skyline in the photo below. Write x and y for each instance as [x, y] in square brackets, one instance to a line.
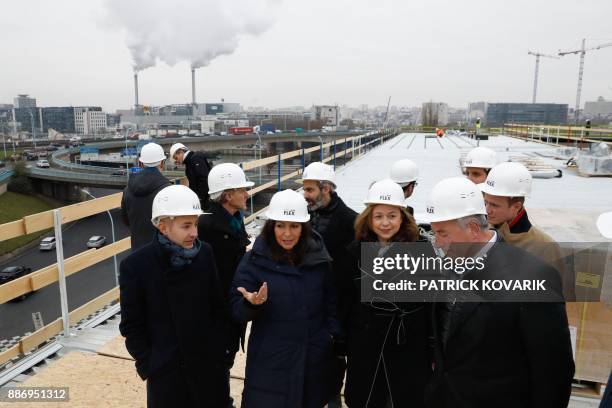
[345, 53]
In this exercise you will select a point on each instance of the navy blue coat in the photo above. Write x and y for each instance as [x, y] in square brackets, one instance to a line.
[289, 355]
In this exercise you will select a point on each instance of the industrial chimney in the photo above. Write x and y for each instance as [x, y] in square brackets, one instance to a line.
[135, 90]
[193, 96]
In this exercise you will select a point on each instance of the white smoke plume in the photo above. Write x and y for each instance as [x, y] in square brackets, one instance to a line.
[197, 31]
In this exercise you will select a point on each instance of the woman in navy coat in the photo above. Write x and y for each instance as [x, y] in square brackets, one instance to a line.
[284, 286]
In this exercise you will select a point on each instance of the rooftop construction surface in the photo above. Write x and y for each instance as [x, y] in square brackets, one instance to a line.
[578, 200]
[438, 158]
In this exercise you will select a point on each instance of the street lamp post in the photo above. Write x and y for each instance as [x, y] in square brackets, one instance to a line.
[127, 164]
[33, 129]
[112, 233]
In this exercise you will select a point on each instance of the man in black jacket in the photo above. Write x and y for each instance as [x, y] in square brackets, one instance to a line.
[173, 316]
[139, 193]
[491, 353]
[334, 221]
[197, 168]
[224, 230]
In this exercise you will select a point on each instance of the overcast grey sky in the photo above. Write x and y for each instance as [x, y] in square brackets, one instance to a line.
[69, 52]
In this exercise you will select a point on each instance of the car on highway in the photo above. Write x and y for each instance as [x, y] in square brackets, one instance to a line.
[44, 164]
[47, 244]
[13, 272]
[97, 241]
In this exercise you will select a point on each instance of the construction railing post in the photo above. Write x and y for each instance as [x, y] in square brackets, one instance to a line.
[303, 160]
[59, 253]
[321, 144]
[279, 172]
[250, 195]
[334, 154]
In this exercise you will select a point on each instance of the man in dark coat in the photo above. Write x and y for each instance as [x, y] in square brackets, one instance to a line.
[197, 168]
[173, 316]
[224, 230]
[495, 353]
[139, 193]
[334, 221]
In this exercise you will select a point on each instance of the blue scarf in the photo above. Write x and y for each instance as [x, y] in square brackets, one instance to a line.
[179, 257]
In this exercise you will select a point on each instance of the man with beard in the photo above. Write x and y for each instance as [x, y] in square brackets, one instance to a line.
[334, 221]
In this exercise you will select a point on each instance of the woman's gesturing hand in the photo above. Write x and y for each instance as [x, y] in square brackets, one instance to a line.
[255, 298]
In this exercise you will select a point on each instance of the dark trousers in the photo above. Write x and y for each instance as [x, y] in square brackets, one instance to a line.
[175, 387]
[376, 377]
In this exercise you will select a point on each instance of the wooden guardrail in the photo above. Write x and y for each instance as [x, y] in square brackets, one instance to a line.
[50, 274]
[553, 134]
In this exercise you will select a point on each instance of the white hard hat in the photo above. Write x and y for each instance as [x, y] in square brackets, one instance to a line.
[226, 176]
[151, 154]
[404, 171]
[481, 157]
[175, 201]
[288, 205]
[318, 171]
[509, 179]
[175, 147]
[454, 198]
[387, 192]
[604, 224]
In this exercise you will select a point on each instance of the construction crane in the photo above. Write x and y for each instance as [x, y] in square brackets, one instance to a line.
[581, 51]
[537, 69]
[386, 114]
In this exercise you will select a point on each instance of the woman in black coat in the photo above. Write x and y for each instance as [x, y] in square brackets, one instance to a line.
[388, 357]
[284, 286]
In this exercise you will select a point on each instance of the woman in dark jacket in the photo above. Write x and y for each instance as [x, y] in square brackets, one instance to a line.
[388, 358]
[284, 286]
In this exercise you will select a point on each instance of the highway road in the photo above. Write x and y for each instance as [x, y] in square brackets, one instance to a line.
[16, 317]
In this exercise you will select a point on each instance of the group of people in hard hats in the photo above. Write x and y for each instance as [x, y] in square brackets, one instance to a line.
[188, 292]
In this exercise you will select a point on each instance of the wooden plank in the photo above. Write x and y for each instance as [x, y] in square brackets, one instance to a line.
[85, 209]
[258, 163]
[94, 305]
[262, 187]
[12, 229]
[49, 274]
[291, 175]
[97, 255]
[9, 354]
[15, 288]
[291, 154]
[41, 335]
[311, 149]
[38, 222]
[252, 217]
[44, 220]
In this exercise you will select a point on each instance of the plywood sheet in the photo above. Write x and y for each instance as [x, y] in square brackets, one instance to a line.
[115, 348]
[93, 381]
